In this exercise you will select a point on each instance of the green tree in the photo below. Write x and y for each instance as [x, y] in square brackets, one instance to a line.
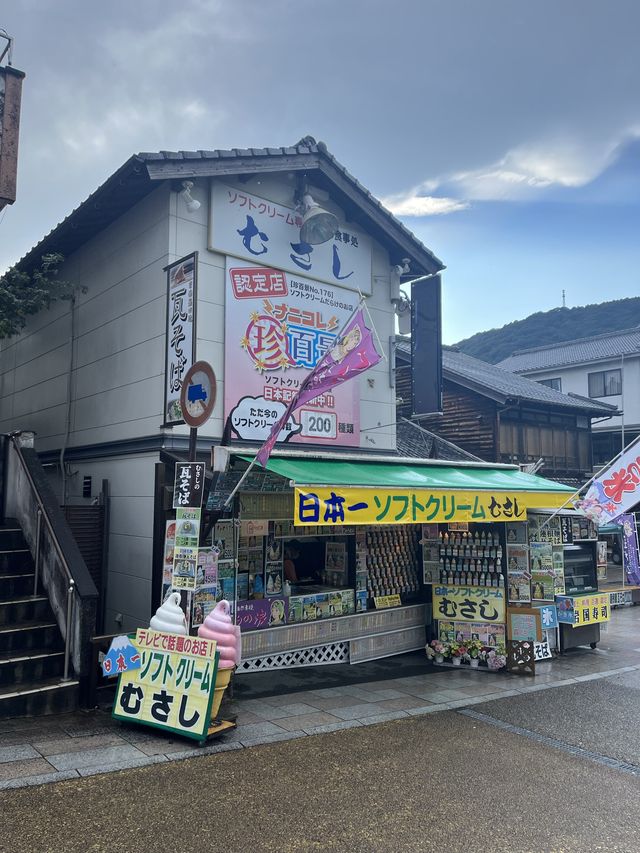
[25, 293]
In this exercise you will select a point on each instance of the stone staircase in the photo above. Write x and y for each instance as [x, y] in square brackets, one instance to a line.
[31, 645]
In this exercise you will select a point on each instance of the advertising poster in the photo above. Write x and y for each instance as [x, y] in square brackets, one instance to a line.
[188, 484]
[223, 539]
[462, 632]
[173, 688]
[167, 564]
[516, 534]
[263, 613]
[278, 327]
[518, 574]
[585, 610]
[524, 625]
[335, 561]
[519, 589]
[630, 554]
[601, 552]
[558, 570]
[180, 341]
[543, 528]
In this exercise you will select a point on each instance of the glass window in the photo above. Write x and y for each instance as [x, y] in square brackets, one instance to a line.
[605, 383]
[555, 383]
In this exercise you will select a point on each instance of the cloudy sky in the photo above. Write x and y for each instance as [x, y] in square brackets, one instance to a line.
[506, 134]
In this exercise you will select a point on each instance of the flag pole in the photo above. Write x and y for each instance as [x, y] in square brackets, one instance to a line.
[363, 302]
[305, 382]
[588, 483]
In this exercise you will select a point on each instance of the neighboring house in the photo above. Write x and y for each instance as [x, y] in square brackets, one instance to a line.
[501, 417]
[88, 376]
[605, 368]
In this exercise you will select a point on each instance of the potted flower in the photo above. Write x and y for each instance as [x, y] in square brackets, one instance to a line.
[437, 650]
[457, 651]
[474, 649]
[497, 658]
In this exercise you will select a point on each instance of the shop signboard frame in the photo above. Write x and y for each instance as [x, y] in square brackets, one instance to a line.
[180, 332]
[524, 624]
[165, 653]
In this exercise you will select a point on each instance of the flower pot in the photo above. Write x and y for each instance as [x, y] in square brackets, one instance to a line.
[473, 663]
[439, 658]
[456, 661]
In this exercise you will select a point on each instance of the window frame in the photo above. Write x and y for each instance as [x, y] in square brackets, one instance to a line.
[605, 375]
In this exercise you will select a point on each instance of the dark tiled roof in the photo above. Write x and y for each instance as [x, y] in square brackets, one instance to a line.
[502, 385]
[414, 441]
[142, 172]
[580, 351]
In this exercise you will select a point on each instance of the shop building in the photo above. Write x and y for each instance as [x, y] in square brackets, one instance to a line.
[501, 416]
[199, 256]
[605, 368]
[93, 378]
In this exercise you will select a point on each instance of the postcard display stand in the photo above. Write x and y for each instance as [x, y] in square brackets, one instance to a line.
[465, 565]
[563, 547]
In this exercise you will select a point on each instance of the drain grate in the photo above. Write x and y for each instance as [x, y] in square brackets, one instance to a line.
[578, 751]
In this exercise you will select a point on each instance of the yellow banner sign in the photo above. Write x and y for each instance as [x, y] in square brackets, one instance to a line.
[469, 603]
[382, 601]
[173, 689]
[334, 506]
[585, 610]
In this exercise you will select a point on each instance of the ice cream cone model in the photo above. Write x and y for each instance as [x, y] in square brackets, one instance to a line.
[169, 616]
[218, 626]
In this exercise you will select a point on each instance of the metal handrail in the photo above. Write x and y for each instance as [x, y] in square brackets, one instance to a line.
[42, 516]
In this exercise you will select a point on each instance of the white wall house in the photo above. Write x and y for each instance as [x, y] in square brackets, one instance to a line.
[88, 376]
[604, 367]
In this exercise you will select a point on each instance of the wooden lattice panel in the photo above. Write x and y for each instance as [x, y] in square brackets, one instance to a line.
[316, 656]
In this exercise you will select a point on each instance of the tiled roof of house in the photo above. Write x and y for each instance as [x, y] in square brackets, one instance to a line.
[415, 441]
[580, 351]
[141, 173]
[502, 385]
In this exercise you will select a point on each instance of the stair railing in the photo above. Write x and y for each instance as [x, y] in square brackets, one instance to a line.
[58, 562]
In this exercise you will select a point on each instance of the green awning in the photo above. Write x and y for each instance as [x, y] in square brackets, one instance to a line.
[306, 472]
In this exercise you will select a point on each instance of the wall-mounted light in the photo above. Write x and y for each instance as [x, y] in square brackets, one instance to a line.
[400, 301]
[191, 203]
[318, 225]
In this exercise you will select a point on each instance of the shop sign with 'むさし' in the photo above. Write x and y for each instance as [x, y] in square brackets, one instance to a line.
[468, 603]
[349, 505]
[267, 233]
[173, 688]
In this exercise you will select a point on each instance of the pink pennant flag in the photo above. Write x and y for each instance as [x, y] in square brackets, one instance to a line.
[352, 353]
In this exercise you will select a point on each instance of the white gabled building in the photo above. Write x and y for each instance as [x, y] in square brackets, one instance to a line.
[88, 376]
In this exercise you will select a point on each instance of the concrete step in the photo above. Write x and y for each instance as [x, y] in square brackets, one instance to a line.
[52, 696]
[26, 608]
[29, 635]
[16, 585]
[15, 559]
[11, 537]
[18, 668]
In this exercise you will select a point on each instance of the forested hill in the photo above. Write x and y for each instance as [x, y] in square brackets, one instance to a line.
[550, 327]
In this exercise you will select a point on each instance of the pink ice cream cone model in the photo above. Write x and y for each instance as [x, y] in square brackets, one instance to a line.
[219, 626]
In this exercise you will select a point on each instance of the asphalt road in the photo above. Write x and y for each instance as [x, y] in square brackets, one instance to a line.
[444, 782]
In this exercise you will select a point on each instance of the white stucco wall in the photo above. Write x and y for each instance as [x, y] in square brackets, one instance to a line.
[118, 354]
[117, 381]
[575, 380]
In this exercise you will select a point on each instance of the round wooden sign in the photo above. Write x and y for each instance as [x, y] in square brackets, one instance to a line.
[198, 394]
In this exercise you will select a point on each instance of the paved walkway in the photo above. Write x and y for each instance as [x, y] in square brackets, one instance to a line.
[49, 749]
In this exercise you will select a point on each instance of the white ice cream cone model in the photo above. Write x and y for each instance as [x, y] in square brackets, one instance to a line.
[219, 626]
[169, 616]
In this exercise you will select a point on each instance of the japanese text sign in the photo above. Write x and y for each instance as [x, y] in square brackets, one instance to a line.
[173, 689]
[273, 339]
[188, 484]
[180, 338]
[350, 505]
[630, 556]
[262, 231]
[616, 490]
[121, 657]
[584, 610]
[468, 604]
[383, 601]
[548, 616]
